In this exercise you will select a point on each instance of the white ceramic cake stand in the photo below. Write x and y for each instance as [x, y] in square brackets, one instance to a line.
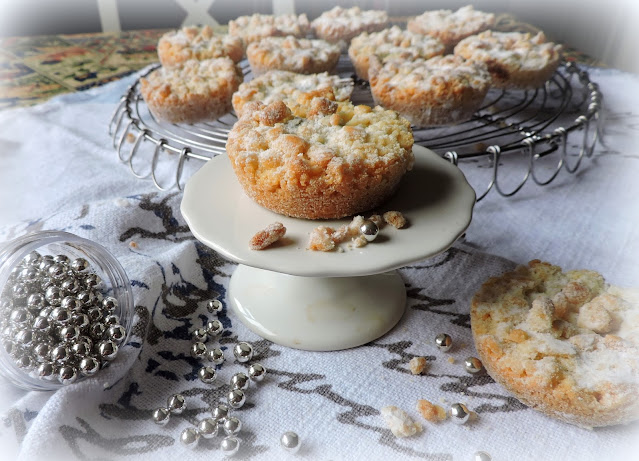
[325, 301]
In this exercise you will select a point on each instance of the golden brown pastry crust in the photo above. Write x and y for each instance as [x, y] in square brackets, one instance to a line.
[535, 330]
[340, 160]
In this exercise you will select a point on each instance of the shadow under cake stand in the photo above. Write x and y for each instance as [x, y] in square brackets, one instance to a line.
[325, 301]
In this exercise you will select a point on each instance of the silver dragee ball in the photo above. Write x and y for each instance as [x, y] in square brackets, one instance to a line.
[200, 335]
[107, 350]
[290, 441]
[198, 350]
[89, 366]
[236, 398]
[207, 428]
[69, 333]
[220, 412]
[62, 259]
[369, 230]
[444, 342]
[459, 413]
[214, 306]
[67, 375]
[45, 370]
[70, 285]
[232, 425]
[239, 381]
[482, 456]
[256, 372]
[70, 303]
[81, 348]
[80, 265]
[176, 404]
[207, 374]
[161, 416]
[109, 303]
[116, 333]
[36, 301]
[215, 355]
[111, 320]
[243, 352]
[473, 365]
[59, 353]
[189, 437]
[41, 352]
[81, 321]
[230, 445]
[214, 327]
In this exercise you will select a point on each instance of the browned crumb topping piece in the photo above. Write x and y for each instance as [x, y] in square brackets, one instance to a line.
[267, 236]
[395, 219]
[430, 411]
[417, 365]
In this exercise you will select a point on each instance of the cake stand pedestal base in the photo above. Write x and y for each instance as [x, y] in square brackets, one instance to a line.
[317, 313]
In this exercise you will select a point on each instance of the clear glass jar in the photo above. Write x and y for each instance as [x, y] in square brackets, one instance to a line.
[26, 296]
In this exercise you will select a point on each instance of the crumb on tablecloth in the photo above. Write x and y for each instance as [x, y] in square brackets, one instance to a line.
[399, 422]
[430, 411]
[267, 236]
[417, 365]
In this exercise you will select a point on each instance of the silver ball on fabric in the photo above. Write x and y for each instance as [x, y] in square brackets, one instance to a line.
[116, 333]
[230, 446]
[473, 365]
[207, 428]
[239, 381]
[459, 413]
[369, 230]
[215, 355]
[444, 342]
[290, 441]
[214, 306]
[161, 416]
[176, 404]
[107, 350]
[79, 265]
[67, 374]
[198, 350]
[220, 412]
[243, 352]
[232, 425]
[482, 456]
[189, 437]
[200, 335]
[207, 375]
[256, 372]
[89, 366]
[214, 327]
[236, 398]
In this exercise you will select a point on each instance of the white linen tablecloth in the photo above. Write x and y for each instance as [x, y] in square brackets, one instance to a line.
[58, 171]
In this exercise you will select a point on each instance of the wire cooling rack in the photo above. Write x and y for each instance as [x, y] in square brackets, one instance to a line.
[515, 137]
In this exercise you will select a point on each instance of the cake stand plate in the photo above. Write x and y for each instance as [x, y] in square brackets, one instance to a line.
[325, 300]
